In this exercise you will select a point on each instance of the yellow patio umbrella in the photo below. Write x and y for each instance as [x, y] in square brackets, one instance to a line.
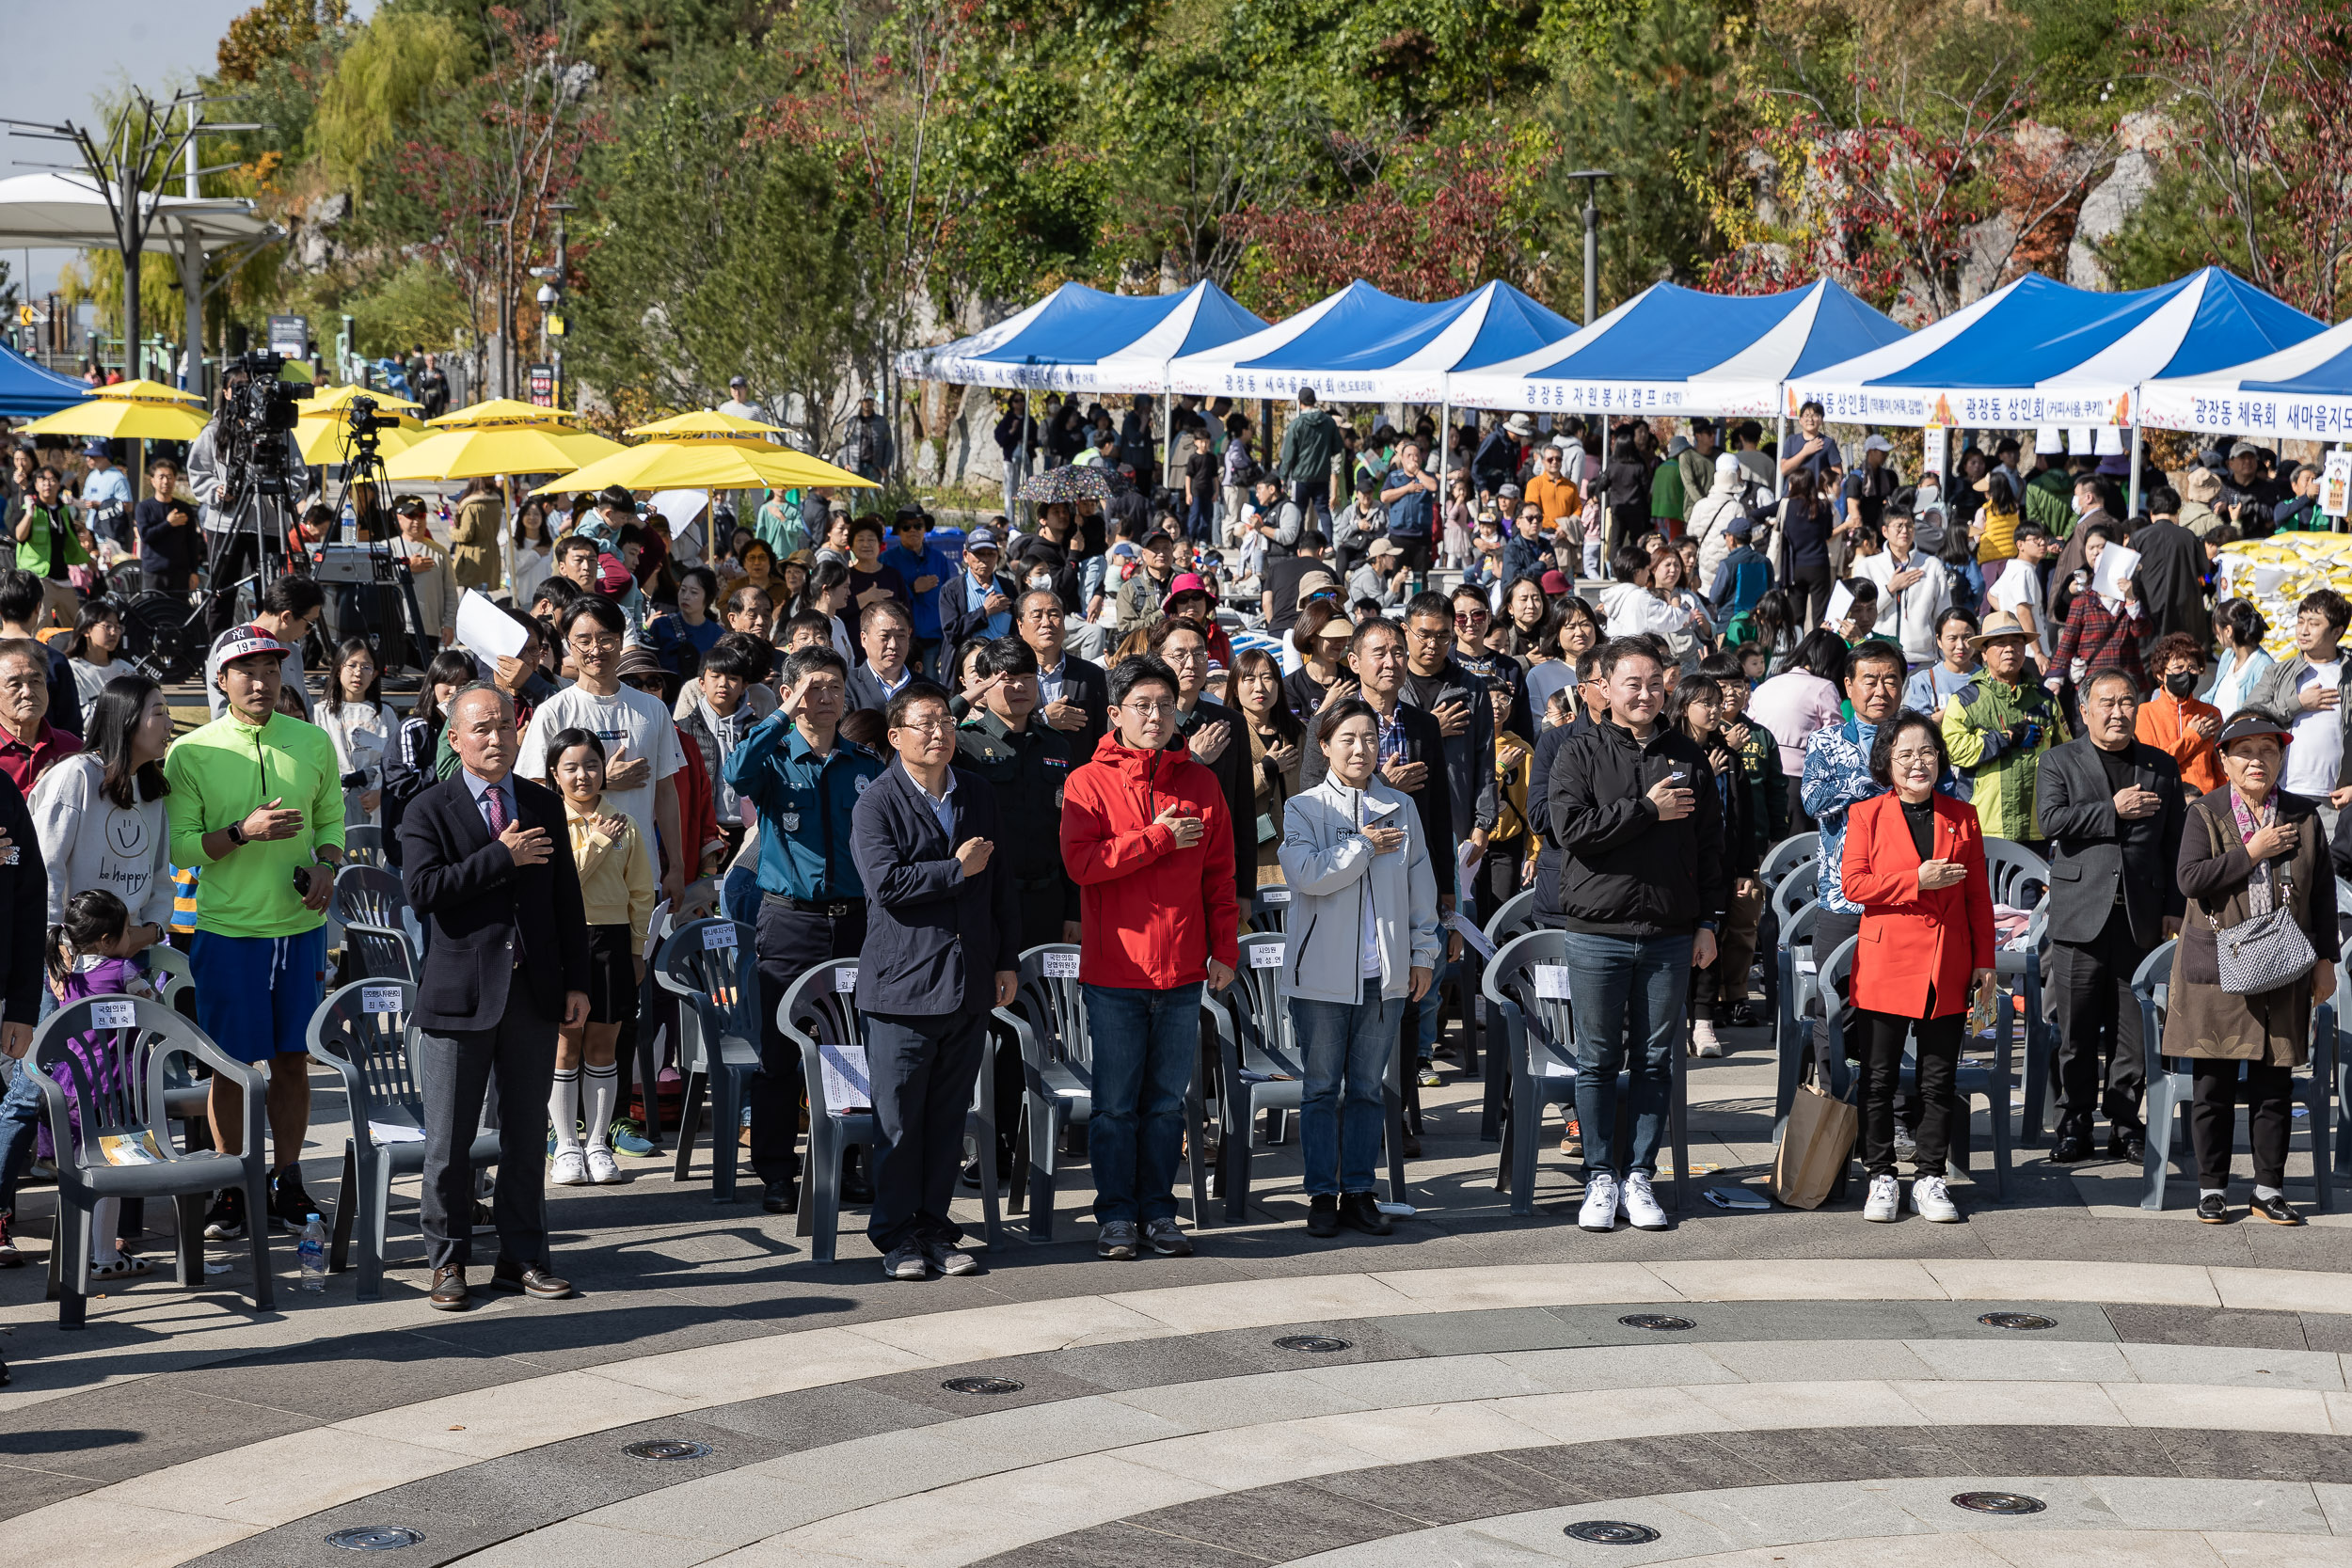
[337, 399]
[501, 411]
[500, 450]
[147, 391]
[707, 464]
[710, 424]
[325, 438]
[118, 420]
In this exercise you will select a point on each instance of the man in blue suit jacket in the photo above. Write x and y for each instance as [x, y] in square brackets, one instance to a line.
[942, 947]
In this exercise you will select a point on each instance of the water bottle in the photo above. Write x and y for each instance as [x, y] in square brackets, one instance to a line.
[350, 525]
[313, 1251]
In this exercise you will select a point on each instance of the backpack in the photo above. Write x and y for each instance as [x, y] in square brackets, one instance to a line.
[1240, 469]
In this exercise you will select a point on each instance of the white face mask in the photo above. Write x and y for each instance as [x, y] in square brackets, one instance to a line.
[2080, 510]
[1041, 580]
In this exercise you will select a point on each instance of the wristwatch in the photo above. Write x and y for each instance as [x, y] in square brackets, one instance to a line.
[237, 832]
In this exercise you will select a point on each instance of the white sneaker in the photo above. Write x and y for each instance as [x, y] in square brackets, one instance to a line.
[1599, 1212]
[1931, 1201]
[603, 1169]
[1884, 1202]
[569, 1170]
[1703, 1038]
[1639, 1205]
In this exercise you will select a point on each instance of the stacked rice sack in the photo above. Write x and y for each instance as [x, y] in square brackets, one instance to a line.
[2275, 573]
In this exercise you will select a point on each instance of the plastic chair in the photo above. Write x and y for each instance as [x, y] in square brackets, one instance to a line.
[363, 1031]
[363, 844]
[1260, 1067]
[101, 1064]
[820, 1014]
[373, 910]
[2169, 1088]
[1540, 1035]
[651, 1035]
[1516, 914]
[1048, 1022]
[2021, 879]
[713, 969]
[1804, 1002]
[1270, 908]
[1787, 856]
[1796, 967]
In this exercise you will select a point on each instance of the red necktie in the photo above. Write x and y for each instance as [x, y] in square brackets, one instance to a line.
[497, 800]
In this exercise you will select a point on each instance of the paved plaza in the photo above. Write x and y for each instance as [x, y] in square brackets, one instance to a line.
[1821, 1391]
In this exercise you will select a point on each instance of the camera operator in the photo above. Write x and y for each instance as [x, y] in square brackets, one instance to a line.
[246, 512]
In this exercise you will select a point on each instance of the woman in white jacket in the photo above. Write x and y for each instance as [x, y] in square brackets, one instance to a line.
[1364, 938]
[101, 814]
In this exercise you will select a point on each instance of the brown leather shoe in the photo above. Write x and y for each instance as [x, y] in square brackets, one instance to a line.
[449, 1290]
[532, 1279]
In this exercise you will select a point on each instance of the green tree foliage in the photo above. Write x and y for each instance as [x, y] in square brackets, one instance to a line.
[405, 62]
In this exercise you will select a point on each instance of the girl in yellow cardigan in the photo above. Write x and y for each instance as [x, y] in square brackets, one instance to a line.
[616, 887]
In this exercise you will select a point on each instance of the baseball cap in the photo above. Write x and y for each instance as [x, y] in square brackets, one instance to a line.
[981, 539]
[247, 640]
[1385, 546]
[1157, 536]
[1511, 490]
[1182, 584]
[1740, 526]
[1877, 443]
[1553, 583]
[736, 381]
[1727, 465]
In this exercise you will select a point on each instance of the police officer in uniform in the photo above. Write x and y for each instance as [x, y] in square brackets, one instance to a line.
[803, 780]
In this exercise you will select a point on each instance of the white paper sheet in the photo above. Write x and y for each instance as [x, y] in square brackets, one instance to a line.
[1551, 982]
[1841, 601]
[1472, 935]
[487, 630]
[1267, 956]
[1061, 966]
[2116, 565]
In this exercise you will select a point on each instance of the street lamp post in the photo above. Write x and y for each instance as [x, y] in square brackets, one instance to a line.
[1592, 177]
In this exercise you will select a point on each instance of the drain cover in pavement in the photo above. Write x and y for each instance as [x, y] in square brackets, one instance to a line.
[981, 1386]
[1658, 1322]
[376, 1538]
[1998, 1502]
[1610, 1532]
[666, 1447]
[2017, 1319]
[1313, 1345]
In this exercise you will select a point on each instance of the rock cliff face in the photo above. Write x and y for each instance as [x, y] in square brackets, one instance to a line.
[2113, 200]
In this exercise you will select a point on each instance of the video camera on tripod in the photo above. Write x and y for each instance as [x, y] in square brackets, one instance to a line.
[257, 414]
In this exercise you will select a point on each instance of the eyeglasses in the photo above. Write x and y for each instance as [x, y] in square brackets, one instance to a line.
[593, 645]
[1146, 706]
[942, 725]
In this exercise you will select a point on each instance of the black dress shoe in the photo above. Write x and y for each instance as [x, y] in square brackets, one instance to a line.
[2072, 1149]
[780, 1197]
[449, 1290]
[2213, 1208]
[1322, 1215]
[855, 1188]
[2129, 1144]
[1361, 1212]
[531, 1279]
[2277, 1210]
[1413, 1145]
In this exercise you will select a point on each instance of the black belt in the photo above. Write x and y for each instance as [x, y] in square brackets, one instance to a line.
[841, 911]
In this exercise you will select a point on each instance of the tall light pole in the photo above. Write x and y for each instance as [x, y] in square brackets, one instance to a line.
[1592, 177]
[554, 282]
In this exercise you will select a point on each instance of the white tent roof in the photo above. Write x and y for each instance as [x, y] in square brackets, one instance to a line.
[67, 212]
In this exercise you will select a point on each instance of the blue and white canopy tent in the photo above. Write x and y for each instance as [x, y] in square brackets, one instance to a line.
[2303, 392]
[1675, 351]
[2039, 352]
[29, 390]
[1081, 339]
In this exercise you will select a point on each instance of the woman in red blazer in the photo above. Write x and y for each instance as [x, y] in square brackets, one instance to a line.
[1915, 861]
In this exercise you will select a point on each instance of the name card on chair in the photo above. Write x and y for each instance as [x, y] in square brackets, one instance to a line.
[114, 1015]
[845, 979]
[379, 999]
[1061, 966]
[1275, 895]
[716, 935]
[1266, 955]
[1551, 982]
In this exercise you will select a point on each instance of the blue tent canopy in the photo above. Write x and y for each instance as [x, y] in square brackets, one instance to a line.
[2039, 353]
[28, 391]
[1671, 350]
[1362, 345]
[1082, 339]
[2303, 392]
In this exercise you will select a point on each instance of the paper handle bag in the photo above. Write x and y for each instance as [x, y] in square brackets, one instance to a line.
[1814, 1148]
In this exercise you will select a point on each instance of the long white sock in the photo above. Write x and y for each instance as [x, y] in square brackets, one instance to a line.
[105, 1221]
[563, 1110]
[599, 1090]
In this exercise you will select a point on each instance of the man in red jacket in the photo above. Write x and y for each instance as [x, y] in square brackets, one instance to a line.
[1144, 834]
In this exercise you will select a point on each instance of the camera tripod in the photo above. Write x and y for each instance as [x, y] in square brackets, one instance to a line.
[363, 464]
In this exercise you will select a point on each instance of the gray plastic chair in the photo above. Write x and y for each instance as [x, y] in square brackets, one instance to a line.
[363, 844]
[1048, 1024]
[1260, 1068]
[363, 1031]
[713, 967]
[1516, 914]
[1787, 856]
[107, 1093]
[1270, 907]
[821, 1017]
[373, 909]
[1540, 1033]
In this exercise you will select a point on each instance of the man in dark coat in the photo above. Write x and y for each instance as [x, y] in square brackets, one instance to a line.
[2172, 574]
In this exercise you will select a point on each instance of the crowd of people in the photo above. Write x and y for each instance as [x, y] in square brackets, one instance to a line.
[1083, 726]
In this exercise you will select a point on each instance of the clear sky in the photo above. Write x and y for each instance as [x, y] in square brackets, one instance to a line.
[58, 59]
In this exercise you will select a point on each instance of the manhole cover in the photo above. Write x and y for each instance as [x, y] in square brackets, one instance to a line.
[666, 1447]
[2017, 1319]
[1313, 1345]
[1610, 1532]
[1998, 1502]
[1658, 1322]
[981, 1386]
[376, 1538]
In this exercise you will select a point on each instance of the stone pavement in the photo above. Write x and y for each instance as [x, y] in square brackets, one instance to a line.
[1470, 1391]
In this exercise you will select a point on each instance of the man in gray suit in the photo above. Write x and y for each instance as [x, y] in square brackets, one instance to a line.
[2112, 810]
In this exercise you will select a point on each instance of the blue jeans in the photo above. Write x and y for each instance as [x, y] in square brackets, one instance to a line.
[1338, 1130]
[1425, 1013]
[1628, 996]
[1146, 1043]
[21, 1112]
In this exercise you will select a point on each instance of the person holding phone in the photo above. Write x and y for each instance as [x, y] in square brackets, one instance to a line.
[799, 780]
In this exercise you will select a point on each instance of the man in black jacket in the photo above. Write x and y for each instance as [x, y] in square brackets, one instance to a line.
[24, 894]
[1642, 893]
[1074, 694]
[487, 863]
[2112, 809]
[942, 947]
